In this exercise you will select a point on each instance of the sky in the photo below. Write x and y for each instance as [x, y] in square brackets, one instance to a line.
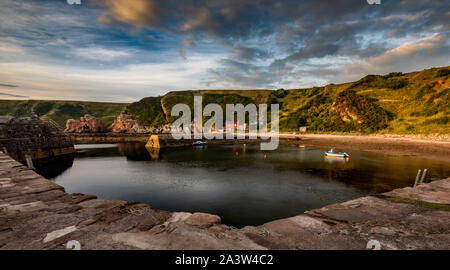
[124, 50]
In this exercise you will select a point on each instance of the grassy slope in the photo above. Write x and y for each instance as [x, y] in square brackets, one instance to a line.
[61, 111]
[412, 103]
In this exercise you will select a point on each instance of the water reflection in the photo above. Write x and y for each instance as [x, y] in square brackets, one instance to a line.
[336, 159]
[133, 151]
[238, 182]
[153, 152]
[52, 167]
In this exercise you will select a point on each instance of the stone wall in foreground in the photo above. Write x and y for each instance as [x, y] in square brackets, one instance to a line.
[35, 138]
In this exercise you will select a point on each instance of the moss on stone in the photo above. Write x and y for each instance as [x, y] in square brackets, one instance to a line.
[436, 206]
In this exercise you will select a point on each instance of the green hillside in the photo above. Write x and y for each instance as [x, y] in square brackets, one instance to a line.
[61, 111]
[410, 103]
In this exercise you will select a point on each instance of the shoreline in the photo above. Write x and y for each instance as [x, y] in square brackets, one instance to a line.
[422, 147]
[399, 146]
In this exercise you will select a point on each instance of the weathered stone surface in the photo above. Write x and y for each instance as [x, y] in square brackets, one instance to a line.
[59, 233]
[202, 220]
[435, 192]
[186, 237]
[26, 207]
[34, 138]
[79, 198]
[99, 203]
[86, 124]
[6, 119]
[179, 217]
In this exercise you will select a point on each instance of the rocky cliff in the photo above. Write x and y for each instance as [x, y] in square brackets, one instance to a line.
[86, 124]
[125, 123]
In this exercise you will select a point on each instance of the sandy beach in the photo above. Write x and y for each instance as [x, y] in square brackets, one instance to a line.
[435, 148]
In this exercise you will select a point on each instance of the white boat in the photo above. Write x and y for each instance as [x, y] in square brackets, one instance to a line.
[200, 143]
[332, 153]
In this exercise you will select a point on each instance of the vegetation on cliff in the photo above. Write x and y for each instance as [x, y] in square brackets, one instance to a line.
[61, 111]
[410, 103]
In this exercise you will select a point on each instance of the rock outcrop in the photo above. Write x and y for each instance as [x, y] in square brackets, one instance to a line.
[203, 220]
[86, 124]
[125, 123]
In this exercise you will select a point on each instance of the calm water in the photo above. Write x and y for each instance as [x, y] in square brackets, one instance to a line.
[242, 184]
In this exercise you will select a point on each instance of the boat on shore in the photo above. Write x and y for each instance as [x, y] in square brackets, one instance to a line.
[332, 153]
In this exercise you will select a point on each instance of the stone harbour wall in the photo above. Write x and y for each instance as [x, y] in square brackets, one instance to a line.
[165, 140]
[35, 138]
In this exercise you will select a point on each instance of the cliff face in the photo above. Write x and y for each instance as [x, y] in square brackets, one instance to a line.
[126, 124]
[365, 111]
[87, 124]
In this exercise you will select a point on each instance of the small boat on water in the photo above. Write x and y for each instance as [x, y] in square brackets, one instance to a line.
[332, 153]
[200, 143]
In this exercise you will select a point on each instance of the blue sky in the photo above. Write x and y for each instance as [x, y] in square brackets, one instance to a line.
[119, 50]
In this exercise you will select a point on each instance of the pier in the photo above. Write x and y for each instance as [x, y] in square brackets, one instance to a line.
[35, 139]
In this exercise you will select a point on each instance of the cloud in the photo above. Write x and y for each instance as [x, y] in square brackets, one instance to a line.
[120, 50]
[181, 52]
[409, 56]
[188, 43]
[249, 54]
[100, 54]
[139, 12]
[269, 42]
[13, 95]
[129, 83]
[8, 85]
[7, 48]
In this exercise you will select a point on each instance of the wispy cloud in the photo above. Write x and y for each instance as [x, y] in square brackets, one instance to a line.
[181, 52]
[129, 83]
[13, 95]
[100, 54]
[8, 85]
[120, 50]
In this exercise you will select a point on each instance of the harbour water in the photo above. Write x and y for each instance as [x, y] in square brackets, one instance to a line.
[240, 183]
